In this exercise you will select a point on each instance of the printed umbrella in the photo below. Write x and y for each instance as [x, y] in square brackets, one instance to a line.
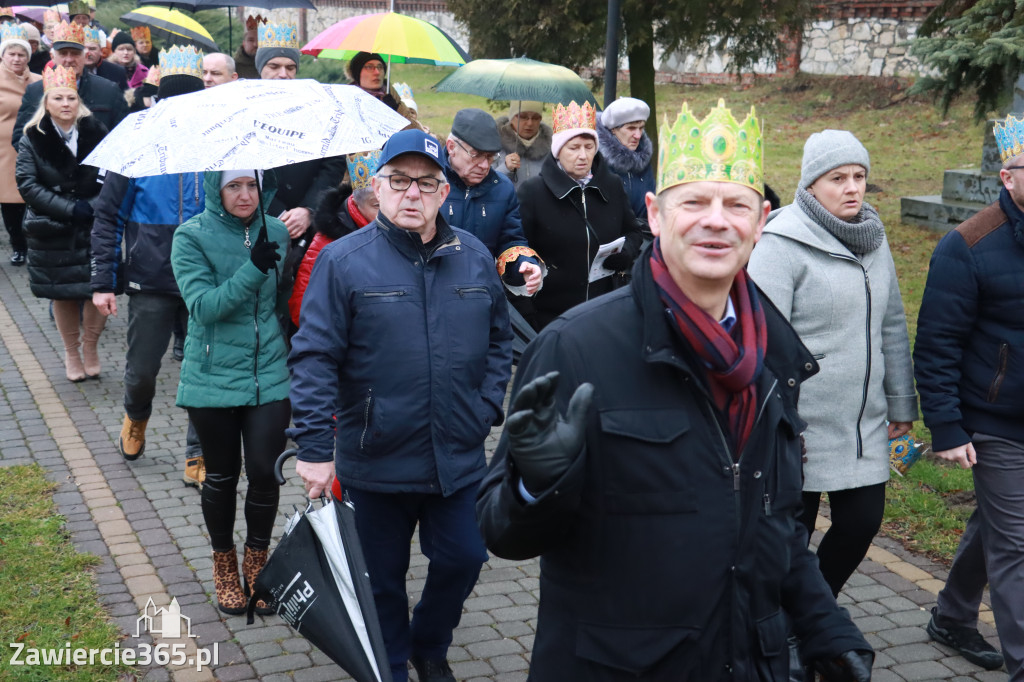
[171, 24]
[519, 78]
[316, 581]
[396, 37]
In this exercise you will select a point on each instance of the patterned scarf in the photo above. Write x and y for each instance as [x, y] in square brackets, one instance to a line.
[733, 359]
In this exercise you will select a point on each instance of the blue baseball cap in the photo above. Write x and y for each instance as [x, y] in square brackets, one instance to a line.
[412, 142]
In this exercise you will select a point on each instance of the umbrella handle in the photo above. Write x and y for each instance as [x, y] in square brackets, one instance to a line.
[279, 465]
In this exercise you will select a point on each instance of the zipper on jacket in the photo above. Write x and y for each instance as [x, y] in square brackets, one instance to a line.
[867, 349]
[367, 403]
[1004, 357]
[586, 257]
[469, 290]
[373, 294]
[256, 359]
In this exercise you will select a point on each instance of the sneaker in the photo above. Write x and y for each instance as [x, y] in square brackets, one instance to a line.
[18, 258]
[432, 671]
[132, 442]
[967, 641]
[195, 472]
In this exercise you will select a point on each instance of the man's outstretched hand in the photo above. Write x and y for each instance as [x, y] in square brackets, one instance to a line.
[541, 443]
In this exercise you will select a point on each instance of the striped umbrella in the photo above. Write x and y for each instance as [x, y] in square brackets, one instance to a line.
[172, 25]
[396, 37]
[519, 78]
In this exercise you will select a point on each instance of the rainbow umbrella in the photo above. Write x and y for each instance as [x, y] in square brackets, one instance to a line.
[519, 78]
[396, 37]
[172, 25]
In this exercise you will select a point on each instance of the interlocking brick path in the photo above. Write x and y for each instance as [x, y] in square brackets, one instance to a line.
[147, 529]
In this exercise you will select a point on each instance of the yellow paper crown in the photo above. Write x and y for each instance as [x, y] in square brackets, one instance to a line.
[278, 35]
[69, 33]
[361, 168]
[181, 60]
[141, 33]
[1009, 137]
[59, 77]
[717, 148]
[7, 12]
[573, 116]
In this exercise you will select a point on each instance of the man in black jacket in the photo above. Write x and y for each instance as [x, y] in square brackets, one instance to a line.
[97, 65]
[664, 507]
[966, 362]
[104, 98]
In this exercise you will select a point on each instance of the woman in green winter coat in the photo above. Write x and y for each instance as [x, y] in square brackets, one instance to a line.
[234, 380]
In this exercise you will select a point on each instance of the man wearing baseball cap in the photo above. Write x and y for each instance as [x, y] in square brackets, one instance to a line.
[404, 338]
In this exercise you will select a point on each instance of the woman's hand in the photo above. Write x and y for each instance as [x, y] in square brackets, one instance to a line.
[897, 429]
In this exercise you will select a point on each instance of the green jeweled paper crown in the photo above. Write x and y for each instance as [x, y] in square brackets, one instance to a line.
[1009, 137]
[179, 60]
[78, 7]
[717, 148]
[278, 35]
[361, 168]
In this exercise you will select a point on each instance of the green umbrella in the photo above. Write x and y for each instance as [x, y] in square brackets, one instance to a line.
[519, 78]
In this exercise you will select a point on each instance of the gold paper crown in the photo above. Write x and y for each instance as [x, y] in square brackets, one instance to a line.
[51, 16]
[717, 148]
[68, 33]
[573, 116]
[361, 168]
[59, 77]
[178, 60]
[278, 35]
[141, 33]
[1009, 137]
[7, 12]
[254, 20]
[78, 7]
[153, 76]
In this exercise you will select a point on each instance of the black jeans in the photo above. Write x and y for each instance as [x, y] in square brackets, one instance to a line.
[223, 432]
[13, 215]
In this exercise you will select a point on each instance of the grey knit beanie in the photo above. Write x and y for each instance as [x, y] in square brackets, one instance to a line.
[265, 54]
[831, 149]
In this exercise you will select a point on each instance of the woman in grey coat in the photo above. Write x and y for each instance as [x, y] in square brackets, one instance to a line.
[825, 263]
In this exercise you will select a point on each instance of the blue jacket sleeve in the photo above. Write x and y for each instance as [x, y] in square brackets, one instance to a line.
[499, 351]
[318, 351]
[112, 208]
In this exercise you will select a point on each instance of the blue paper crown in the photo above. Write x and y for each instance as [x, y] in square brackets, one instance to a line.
[403, 90]
[13, 32]
[362, 167]
[92, 35]
[179, 60]
[278, 35]
[1009, 137]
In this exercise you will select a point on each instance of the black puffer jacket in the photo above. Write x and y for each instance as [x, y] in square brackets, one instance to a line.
[51, 179]
[566, 223]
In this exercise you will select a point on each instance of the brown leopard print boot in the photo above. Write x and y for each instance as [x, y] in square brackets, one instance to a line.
[230, 598]
[253, 562]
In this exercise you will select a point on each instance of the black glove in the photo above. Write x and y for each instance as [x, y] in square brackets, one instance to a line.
[541, 444]
[849, 666]
[264, 255]
[618, 261]
[82, 211]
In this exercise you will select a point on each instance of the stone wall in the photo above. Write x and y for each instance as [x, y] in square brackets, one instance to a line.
[859, 47]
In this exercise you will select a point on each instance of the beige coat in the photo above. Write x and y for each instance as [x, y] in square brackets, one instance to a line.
[11, 90]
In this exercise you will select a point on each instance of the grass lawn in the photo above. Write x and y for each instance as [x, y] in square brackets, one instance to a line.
[47, 594]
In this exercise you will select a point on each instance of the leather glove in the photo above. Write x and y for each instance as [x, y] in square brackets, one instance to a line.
[541, 443]
[264, 255]
[82, 211]
[618, 261]
[849, 666]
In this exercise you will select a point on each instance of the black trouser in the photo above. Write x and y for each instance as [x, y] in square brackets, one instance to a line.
[223, 432]
[856, 518]
[13, 215]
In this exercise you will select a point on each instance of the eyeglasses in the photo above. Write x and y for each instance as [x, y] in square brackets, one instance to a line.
[373, 67]
[476, 157]
[427, 183]
[1014, 168]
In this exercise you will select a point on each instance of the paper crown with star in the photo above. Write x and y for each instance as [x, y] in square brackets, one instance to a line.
[253, 21]
[65, 32]
[59, 77]
[1009, 136]
[573, 117]
[361, 168]
[278, 35]
[13, 32]
[718, 148]
[181, 60]
[141, 33]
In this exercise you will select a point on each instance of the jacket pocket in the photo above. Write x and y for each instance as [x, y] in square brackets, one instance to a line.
[997, 380]
[209, 343]
[772, 633]
[639, 650]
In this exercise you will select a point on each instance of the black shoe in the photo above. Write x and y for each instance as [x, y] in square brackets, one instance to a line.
[18, 258]
[179, 348]
[967, 641]
[432, 671]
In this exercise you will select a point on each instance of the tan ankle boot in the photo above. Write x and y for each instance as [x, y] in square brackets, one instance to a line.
[132, 442]
[66, 317]
[230, 598]
[253, 562]
[195, 472]
[93, 322]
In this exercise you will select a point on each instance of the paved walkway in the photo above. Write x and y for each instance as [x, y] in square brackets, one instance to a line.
[147, 528]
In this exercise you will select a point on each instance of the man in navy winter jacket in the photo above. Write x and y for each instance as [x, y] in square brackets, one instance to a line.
[399, 370]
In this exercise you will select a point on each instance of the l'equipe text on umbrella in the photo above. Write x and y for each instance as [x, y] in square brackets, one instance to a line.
[274, 130]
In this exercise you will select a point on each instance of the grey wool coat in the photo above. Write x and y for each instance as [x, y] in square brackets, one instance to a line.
[848, 312]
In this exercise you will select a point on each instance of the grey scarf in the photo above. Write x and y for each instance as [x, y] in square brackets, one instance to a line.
[861, 234]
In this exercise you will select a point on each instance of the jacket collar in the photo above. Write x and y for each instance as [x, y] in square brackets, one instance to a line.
[457, 182]
[1013, 215]
[561, 185]
[620, 158]
[409, 244]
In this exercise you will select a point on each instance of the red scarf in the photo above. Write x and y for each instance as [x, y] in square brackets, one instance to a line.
[733, 359]
[353, 211]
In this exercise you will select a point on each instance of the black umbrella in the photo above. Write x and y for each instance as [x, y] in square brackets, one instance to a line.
[523, 333]
[316, 580]
[196, 5]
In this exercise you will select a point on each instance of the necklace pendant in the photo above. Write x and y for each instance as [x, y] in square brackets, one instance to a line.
[247, 242]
